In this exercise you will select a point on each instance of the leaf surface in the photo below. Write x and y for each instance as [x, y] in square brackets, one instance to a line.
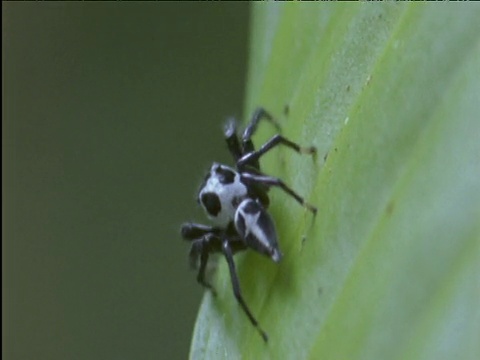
[389, 268]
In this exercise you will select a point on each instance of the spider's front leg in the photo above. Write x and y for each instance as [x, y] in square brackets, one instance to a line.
[202, 248]
[205, 240]
[192, 231]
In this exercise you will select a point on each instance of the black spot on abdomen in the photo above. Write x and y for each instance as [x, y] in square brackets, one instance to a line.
[211, 202]
[205, 179]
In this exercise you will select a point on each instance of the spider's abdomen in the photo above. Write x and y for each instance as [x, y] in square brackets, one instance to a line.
[256, 227]
[221, 193]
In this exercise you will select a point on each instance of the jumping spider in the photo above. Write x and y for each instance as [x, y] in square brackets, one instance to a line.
[236, 201]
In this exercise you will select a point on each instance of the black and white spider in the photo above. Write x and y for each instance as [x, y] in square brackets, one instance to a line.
[236, 201]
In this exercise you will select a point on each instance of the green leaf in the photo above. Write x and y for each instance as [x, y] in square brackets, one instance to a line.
[390, 267]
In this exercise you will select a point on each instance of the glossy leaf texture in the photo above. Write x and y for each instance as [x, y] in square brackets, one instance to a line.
[390, 267]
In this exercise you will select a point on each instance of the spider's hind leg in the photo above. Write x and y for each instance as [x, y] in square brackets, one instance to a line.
[259, 114]
[239, 147]
[246, 145]
[231, 137]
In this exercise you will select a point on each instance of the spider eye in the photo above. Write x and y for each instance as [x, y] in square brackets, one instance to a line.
[211, 202]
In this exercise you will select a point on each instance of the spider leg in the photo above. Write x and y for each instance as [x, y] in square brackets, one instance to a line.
[195, 251]
[247, 144]
[203, 247]
[231, 137]
[253, 156]
[227, 251]
[238, 149]
[192, 231]
[259, 114]
[271, 181]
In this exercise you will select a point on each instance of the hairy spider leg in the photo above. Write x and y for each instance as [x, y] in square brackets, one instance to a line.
[227, 251]
[272, 181]
[253, 156]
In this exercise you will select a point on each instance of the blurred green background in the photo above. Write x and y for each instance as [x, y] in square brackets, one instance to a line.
[112, 113]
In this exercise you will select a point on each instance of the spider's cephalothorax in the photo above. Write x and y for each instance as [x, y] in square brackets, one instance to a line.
[236, 201]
